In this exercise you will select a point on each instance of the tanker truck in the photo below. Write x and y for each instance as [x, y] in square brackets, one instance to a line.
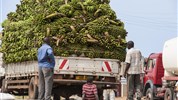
[161, 73]
[170, 64]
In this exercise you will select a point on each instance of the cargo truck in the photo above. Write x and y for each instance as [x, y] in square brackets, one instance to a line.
[70, 74]
[161, 73]
[2, 69]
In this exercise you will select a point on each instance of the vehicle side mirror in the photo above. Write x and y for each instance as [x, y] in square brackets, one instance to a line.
[147, 71]
[145, 63]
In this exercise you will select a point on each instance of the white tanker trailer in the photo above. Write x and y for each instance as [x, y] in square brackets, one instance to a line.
[170, 56]
[170, 64]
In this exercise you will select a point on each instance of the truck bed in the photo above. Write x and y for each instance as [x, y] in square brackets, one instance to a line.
[68, 65]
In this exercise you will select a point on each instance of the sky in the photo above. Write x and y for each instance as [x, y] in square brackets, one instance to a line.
[149, 23]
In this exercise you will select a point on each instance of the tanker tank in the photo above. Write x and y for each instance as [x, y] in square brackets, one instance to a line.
[170, 56]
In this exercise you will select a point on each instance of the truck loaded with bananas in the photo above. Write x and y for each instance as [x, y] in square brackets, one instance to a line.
[78, 27]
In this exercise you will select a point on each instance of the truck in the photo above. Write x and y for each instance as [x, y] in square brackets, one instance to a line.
[70, 74]
[160, 80]
[154, 71]
[2, 69]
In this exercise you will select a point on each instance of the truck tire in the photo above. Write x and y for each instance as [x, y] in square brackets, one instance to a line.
[4, 86]
[33, 89]
[56, 97]
[169, 94]
[1, 79]
[100, 94]
[149, 94]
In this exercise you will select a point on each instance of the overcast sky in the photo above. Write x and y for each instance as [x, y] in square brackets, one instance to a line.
[149, 23]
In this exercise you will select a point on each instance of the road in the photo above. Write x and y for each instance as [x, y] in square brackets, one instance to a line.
[118, 98]
[121, 98]
[74, 98]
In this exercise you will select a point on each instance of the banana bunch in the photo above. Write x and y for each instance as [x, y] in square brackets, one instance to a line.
[91, 9]
[105, 9]
[82, 27]
[66, 9]
[90, 5]
[24, 55]
[75, 4]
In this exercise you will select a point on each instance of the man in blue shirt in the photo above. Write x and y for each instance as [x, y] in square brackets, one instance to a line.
[46, 63]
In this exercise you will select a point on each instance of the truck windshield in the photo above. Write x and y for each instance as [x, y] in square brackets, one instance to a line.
[151, 64]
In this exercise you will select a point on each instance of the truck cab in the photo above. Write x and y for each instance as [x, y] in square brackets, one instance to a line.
[154, 71]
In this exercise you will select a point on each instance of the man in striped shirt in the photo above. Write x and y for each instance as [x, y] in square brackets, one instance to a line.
[89, 90]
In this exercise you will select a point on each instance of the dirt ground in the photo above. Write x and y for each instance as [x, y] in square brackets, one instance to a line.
[75, 98]
[117, 98]
[21, 98]
[121, 98]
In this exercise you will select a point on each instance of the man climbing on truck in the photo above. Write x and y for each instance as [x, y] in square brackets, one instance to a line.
[133, 70]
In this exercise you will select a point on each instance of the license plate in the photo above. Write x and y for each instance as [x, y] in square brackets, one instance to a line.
[80, 77]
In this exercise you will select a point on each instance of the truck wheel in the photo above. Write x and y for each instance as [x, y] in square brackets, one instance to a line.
[33, 89]
[4, 86]
[168, 94]
[1, 82]
[100, 94]
[149, 94]
[56, 97]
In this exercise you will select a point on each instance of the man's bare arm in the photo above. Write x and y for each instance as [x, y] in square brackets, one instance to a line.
[96, 96]
[83, 97]
[126, 69]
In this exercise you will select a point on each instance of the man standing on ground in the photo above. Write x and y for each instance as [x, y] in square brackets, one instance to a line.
[108, 93]
[133, 70]
[46, 63]
[89, 90]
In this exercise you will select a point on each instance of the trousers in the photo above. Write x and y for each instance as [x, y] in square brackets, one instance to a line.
[45, 83]
[134, 85]
[108, 94]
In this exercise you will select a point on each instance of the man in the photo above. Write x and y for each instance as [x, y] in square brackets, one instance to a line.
[133, 70]
[108, 93]
[89, 90]
[46, 63]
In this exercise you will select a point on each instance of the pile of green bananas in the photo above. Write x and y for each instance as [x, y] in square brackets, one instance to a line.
[87, 28]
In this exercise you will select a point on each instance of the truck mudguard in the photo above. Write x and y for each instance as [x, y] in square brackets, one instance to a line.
[148, 84]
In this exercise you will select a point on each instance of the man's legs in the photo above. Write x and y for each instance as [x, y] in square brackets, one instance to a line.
[137, 86]
[105, 94]
[130, 86]
[41, 85]
[48, 74]
[111, 94]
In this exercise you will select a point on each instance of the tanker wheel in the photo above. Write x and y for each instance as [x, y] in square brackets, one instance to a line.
[149, 94]
[4, 86]
[169, 94]
[32, 89]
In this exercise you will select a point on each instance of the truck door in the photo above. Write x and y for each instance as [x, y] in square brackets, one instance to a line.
[149, 70]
